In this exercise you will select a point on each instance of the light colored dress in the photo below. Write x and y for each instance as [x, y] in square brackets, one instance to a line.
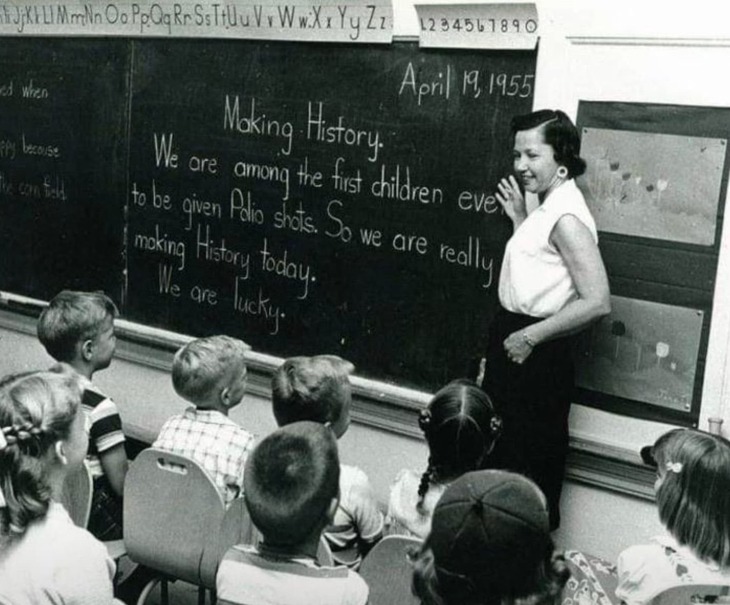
[646, 570]
[56, 562]
[404, 516]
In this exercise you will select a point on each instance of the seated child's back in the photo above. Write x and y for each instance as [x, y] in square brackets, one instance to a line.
[291, 488]
[77, 329]
[693, 500]
[210, 373]
[318, 389]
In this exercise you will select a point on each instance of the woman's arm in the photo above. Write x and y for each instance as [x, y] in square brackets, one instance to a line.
[580, 253]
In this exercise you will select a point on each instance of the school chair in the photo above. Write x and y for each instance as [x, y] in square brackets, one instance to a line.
[173, 517]
[688, 594]
[76, 496]
[78, 490]
[387, 570]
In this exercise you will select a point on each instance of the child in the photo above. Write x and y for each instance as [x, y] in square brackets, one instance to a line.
[210, 373]
[44, 557]
[693, 498]
[318, 389]
[77, 329]
[291, 485]
[489, 544]
[461, 428]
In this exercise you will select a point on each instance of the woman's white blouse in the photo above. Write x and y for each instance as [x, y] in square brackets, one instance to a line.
[534, 279]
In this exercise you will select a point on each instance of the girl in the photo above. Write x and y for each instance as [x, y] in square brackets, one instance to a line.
[44, 558]
[461, 428]
[490, 545]
[693, 498]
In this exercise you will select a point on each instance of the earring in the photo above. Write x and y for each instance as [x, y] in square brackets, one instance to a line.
[562, 172]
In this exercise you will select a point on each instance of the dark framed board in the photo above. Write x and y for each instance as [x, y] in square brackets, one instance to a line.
[656, 184]
[307, 198]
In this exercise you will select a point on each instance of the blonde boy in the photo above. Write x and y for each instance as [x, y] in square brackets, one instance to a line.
[318, 389]
[211, 374]
[77, 329]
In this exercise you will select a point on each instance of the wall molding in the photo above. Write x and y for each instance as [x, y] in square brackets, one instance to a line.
[377, 405]
[637, 41]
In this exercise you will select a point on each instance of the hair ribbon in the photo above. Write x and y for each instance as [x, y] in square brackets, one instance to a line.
[674, 467]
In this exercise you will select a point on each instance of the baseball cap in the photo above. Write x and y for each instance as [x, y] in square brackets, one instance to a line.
[490, 527]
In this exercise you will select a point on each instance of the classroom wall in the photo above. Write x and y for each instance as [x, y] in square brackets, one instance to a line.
[623, 50]
[595, 521]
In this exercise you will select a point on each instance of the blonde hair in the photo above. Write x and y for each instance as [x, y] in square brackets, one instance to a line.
[37, 409]
[72, 317]
[201, 364]
[310, 388]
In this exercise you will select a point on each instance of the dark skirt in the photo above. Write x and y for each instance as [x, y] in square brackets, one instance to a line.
[534, 402]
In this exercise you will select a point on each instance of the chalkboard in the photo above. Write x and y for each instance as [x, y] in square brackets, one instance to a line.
[307, 198]
[63, 148]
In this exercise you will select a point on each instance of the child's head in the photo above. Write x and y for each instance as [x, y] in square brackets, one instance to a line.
[291, 483]
[313, 388]
[211, 371]
[693, 491]
[42, 435]
[489, 544]
[461, 428]
[79, 326]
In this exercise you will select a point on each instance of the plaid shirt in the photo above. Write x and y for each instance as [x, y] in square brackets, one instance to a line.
[214, 441]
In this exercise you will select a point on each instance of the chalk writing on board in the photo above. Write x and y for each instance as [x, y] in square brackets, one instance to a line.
[270, 19]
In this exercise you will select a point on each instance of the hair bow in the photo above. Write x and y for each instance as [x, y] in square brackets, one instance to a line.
[675, 467]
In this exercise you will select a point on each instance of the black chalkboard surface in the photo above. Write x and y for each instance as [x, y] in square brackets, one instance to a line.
[307, 198]
[63, 109]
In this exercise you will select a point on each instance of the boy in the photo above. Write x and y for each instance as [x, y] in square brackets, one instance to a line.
[77, 329]
[318, 389]
[291, 484]
[211, 374]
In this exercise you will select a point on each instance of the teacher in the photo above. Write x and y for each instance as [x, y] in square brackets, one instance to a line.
[552, 285]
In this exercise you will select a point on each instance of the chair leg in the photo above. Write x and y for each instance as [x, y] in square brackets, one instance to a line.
[163, 593]
[201, 595]
[149, 587]
[213, 597]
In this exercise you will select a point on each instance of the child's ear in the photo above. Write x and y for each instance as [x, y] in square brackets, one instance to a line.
[87, 349]
[225, 396]
[60, 452]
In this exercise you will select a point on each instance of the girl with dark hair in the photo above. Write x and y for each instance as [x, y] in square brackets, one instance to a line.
[552, 285]
[44, 557]
[693, 498]
[461, 428]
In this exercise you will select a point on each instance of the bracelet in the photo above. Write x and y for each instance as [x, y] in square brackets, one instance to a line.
[528, 341]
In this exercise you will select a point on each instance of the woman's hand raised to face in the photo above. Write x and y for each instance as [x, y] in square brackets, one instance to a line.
[510, 197]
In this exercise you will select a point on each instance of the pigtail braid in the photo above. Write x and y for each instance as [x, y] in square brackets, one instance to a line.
[423, 486]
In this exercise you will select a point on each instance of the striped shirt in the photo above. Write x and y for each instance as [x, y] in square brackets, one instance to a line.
[251, 576]
[106, 425]
[214, 441]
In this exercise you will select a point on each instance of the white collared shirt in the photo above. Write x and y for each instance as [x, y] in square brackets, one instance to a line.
[534, 279]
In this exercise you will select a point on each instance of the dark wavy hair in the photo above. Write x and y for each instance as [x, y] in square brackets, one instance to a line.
[542, 585]
[559, 132]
